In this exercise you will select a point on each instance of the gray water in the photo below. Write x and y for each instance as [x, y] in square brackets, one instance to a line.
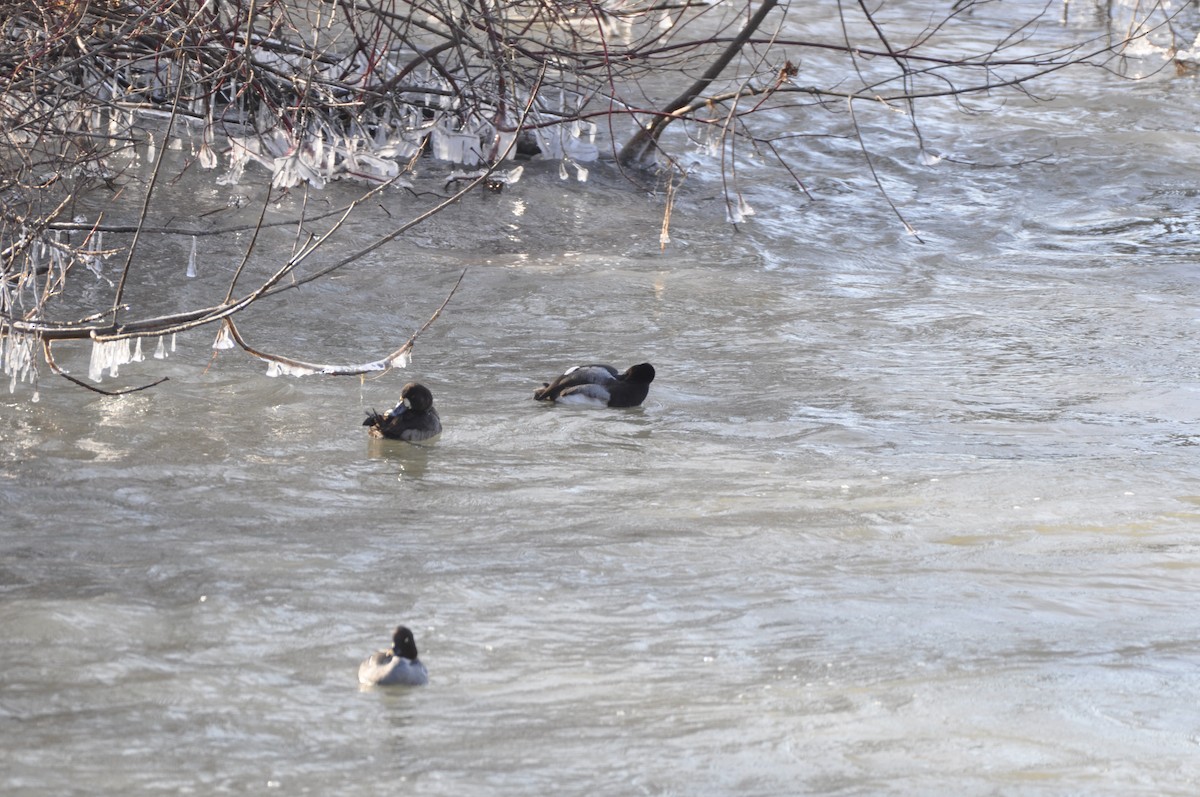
[897, 518]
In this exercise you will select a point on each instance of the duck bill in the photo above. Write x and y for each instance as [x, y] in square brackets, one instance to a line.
[397, 411]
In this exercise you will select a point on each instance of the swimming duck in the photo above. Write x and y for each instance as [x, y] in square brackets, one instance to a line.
[599, 386]
[413, 418]
[398, 665]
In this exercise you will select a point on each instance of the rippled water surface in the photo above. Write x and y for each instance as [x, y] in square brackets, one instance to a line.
[898, 518]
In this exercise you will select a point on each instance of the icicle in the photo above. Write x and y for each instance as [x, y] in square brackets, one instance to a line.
[456, 146]
[224, 340]
[96, 365]
[93, 259]
[503, 140]
[36, 253]
[172, 342]
[124, 352]
[103, 359]
[579, 142]
[160, 352]
[207, 157]
[137, 351]
[399, 361]
[17, 357]
[191, 269]
[110, 356]
[273, 369]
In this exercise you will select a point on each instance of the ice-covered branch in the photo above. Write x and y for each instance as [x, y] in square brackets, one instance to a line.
[278, 365]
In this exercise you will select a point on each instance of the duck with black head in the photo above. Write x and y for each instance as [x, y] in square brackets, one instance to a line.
[396, 666]
[599, 386]
[413, 418]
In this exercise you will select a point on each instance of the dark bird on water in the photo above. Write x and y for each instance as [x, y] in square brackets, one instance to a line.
[412, 419]
[398, 665]
[599, 386]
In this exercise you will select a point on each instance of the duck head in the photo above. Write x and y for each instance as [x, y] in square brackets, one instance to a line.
[415, 397]
[403, 643]
[643, 373]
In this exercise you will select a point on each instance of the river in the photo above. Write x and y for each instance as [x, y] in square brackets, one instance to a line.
[899, 516]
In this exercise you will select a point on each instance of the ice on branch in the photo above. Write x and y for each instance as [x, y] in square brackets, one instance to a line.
[281, 366]
[224, 339]
[276, 368]
[108, 355]
[737, 212]
[374, 153]
[207, 155]
[16, 359]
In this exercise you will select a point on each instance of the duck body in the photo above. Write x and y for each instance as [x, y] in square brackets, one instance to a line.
[396, 666]
[413, 418]
[599, 386]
